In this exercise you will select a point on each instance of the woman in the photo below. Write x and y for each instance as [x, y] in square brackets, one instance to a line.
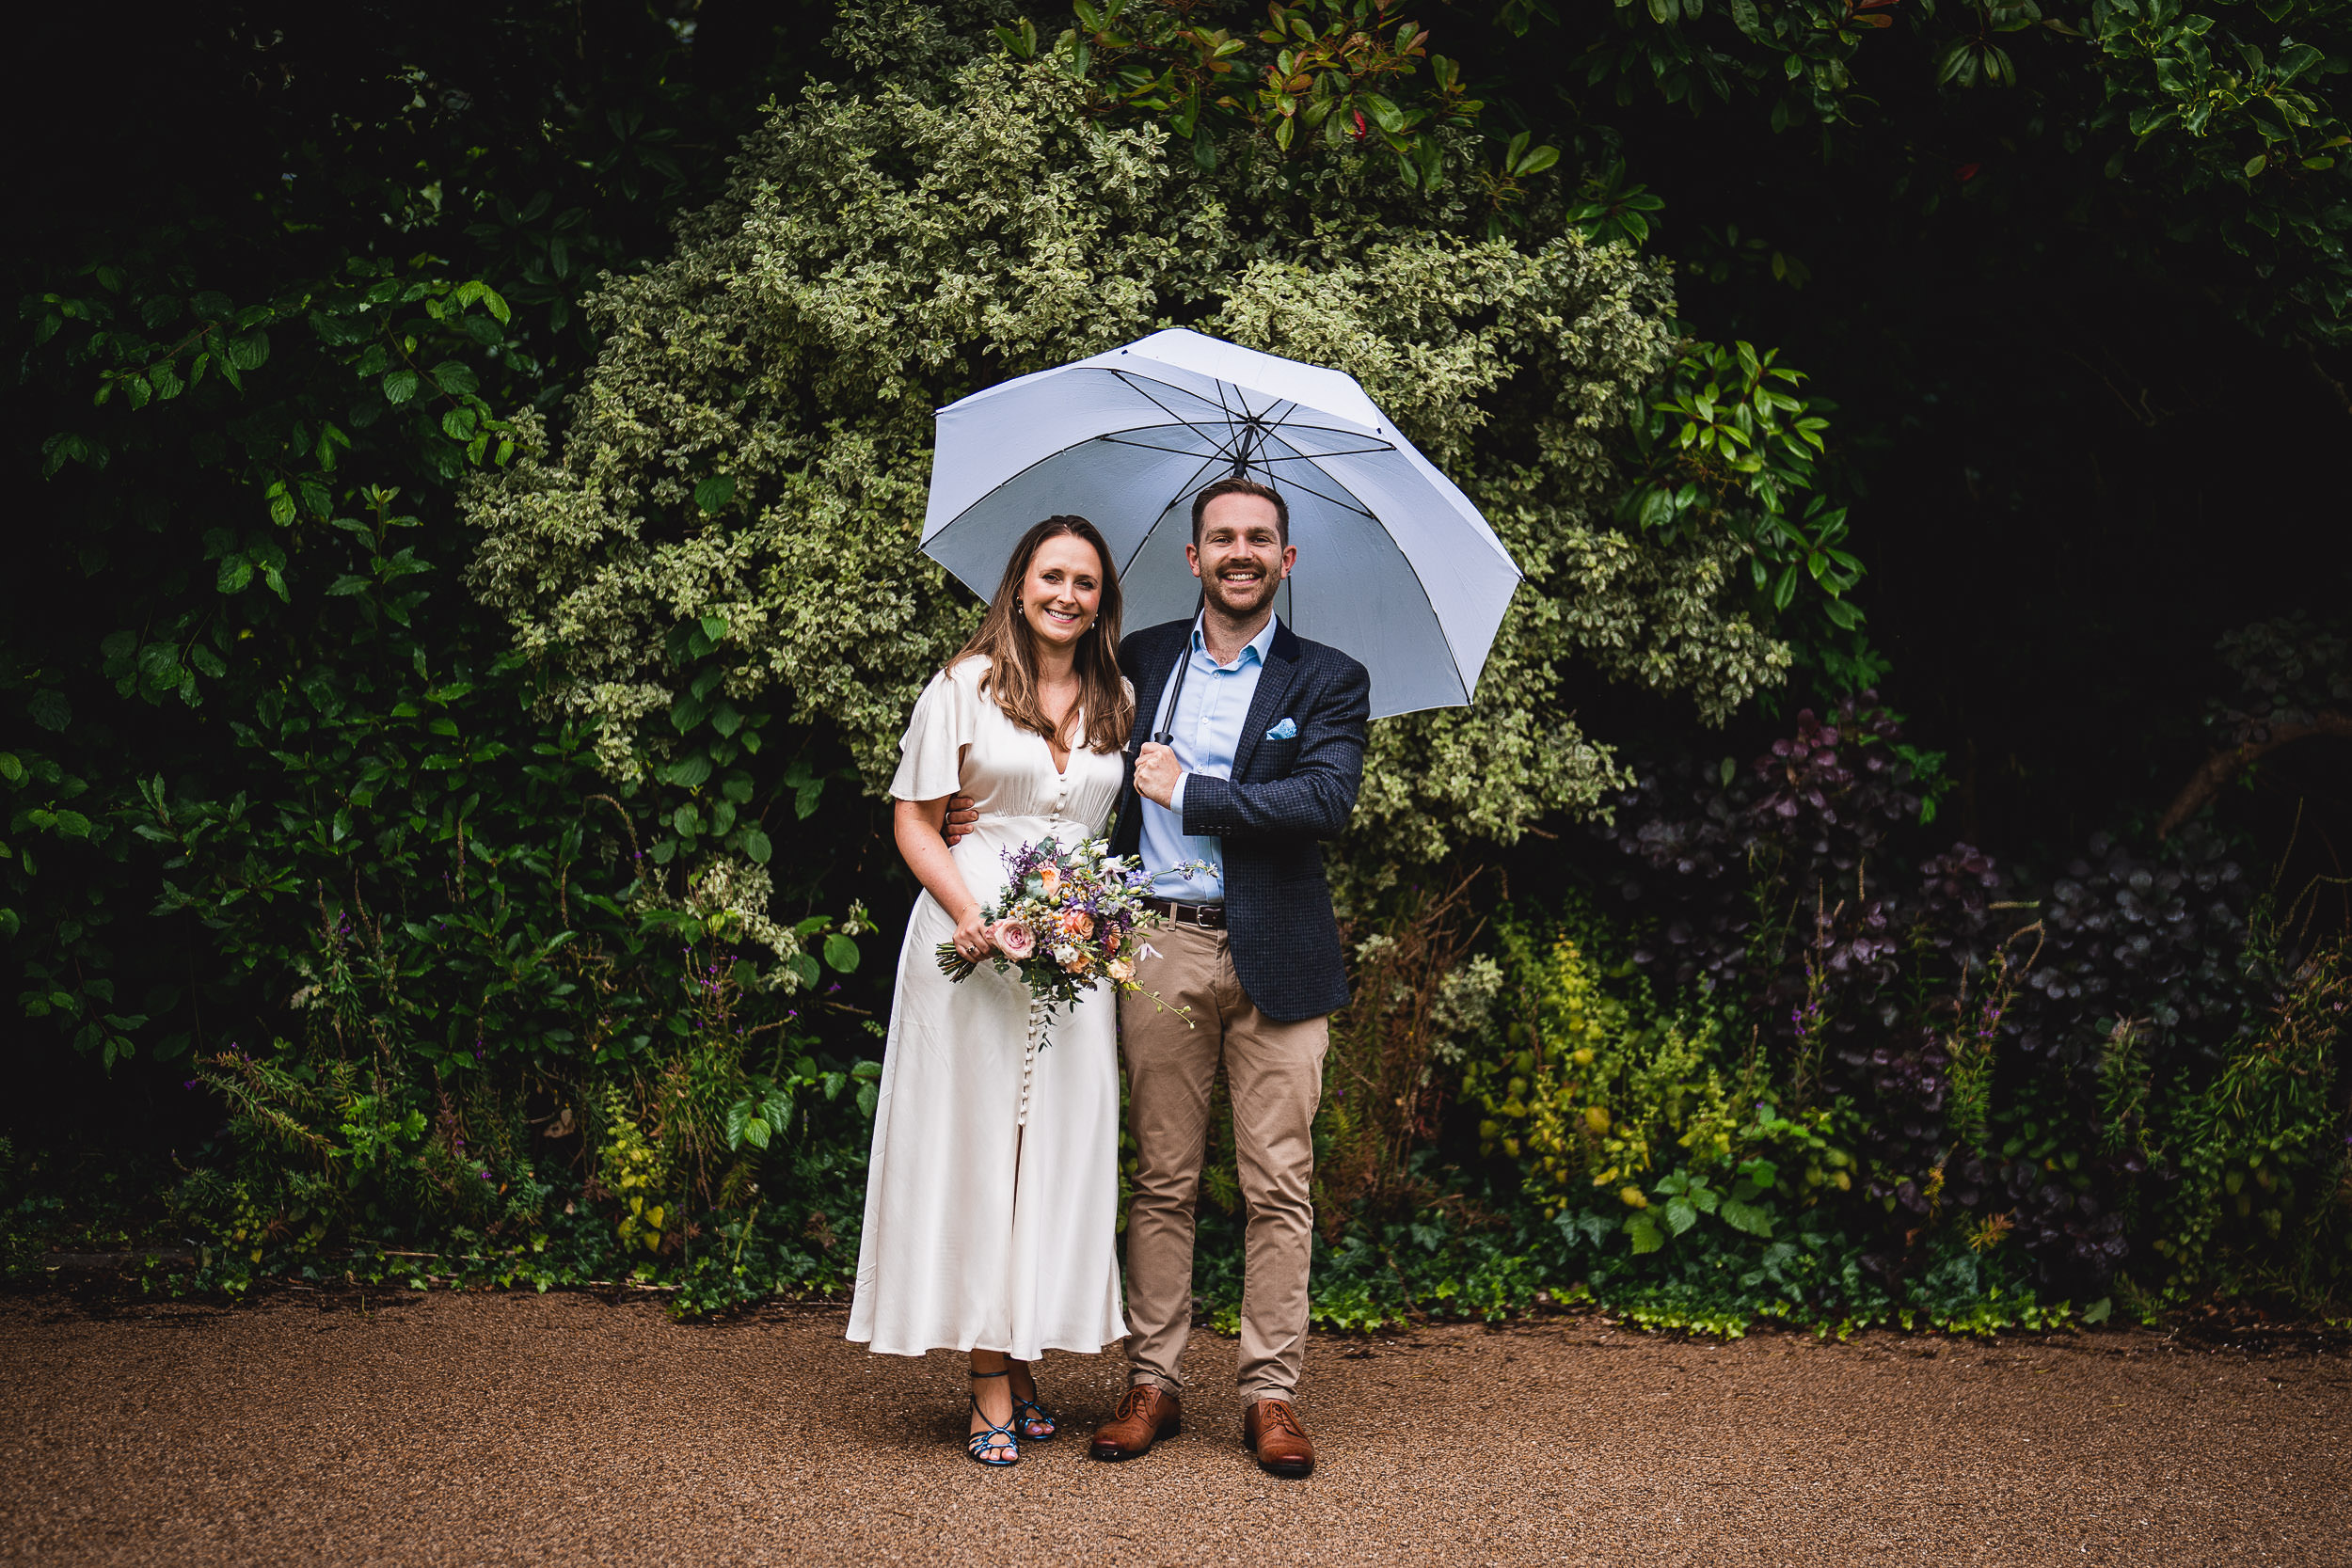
[991, 1201]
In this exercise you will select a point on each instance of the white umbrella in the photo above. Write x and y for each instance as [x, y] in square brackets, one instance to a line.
[1395, 565]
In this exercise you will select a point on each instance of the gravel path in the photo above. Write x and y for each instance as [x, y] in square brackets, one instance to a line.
[486, 1429]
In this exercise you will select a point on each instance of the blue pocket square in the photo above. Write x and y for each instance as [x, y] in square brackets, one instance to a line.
[1286, 730]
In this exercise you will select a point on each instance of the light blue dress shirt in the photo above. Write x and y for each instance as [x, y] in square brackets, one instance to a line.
[1204, 732]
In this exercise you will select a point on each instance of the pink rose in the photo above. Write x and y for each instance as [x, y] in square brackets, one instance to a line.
[1013, 939]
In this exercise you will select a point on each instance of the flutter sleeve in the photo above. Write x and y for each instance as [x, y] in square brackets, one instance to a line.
[931, 755]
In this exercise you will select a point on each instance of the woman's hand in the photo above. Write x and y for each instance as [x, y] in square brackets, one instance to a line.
[972, 939]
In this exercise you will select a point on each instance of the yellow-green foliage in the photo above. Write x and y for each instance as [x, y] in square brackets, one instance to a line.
[635, 1174]
[1595, 1089]
[1591, 1085]
[753, 448]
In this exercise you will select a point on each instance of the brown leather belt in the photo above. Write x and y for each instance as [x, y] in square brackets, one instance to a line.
[1209, 917]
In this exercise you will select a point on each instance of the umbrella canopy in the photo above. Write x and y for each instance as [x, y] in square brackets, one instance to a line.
[1395, 565]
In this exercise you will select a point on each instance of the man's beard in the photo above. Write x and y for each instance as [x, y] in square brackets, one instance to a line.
[1221, 594]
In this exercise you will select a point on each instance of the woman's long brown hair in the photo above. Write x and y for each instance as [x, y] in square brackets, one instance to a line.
[1007, 642]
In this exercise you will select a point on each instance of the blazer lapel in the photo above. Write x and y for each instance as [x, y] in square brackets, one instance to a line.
[1274, 689]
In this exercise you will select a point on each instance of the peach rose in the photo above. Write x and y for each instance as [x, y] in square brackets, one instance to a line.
[1013, 939]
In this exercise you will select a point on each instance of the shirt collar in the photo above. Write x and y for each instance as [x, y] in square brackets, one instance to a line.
[1255, 648]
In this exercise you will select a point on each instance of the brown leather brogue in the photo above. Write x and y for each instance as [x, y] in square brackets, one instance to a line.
[1271, 1430]
[1146, 1413]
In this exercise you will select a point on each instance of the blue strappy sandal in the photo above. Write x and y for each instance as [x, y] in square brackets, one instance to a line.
[1038, 1414]
[983, 1445]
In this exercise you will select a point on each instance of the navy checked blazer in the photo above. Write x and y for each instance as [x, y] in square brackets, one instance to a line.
[1284, 799]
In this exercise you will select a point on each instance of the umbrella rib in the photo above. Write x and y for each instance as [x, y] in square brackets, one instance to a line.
[1316, 456]
[1336, 430]
[1345, 499]
[1223, 408]
[1149, 446]
[1137, 383]
[1241, 466]
[1161, 515]
[1354, 505]
[1274, 426]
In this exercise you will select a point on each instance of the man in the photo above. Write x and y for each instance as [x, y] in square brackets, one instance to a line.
[1265, 749]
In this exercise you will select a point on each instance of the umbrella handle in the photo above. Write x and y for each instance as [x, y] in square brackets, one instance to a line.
[1165, 732]
[1165, 735]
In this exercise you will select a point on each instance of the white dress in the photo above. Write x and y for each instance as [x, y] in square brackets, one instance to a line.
[992, 1199]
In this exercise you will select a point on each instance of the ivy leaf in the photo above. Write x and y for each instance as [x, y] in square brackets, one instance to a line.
[688, 772]
[714, 492]
[455, 377]
[807, 787]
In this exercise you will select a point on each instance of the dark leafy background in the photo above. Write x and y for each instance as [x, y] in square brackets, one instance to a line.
[272, 777]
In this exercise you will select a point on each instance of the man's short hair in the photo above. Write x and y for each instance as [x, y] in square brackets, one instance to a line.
[1240, 486]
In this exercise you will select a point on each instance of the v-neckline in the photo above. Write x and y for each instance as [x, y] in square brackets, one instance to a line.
[1061, 768]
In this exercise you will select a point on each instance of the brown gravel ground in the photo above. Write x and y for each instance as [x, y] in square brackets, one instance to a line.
[487, 1429]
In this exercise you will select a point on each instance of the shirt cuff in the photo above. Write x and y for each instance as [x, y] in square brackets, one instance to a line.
[1176, 798]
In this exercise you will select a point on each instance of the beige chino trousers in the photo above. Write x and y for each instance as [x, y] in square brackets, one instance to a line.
[1274, 1071]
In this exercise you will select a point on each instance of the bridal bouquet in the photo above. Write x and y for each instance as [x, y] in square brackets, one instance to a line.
[1066, 922]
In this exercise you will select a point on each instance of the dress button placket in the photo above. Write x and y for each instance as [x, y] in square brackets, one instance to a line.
[1028, 1058]
[1036, 1007]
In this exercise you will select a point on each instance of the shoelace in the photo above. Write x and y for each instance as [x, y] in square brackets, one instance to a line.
[1130, 1401]
[1274, 1413]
